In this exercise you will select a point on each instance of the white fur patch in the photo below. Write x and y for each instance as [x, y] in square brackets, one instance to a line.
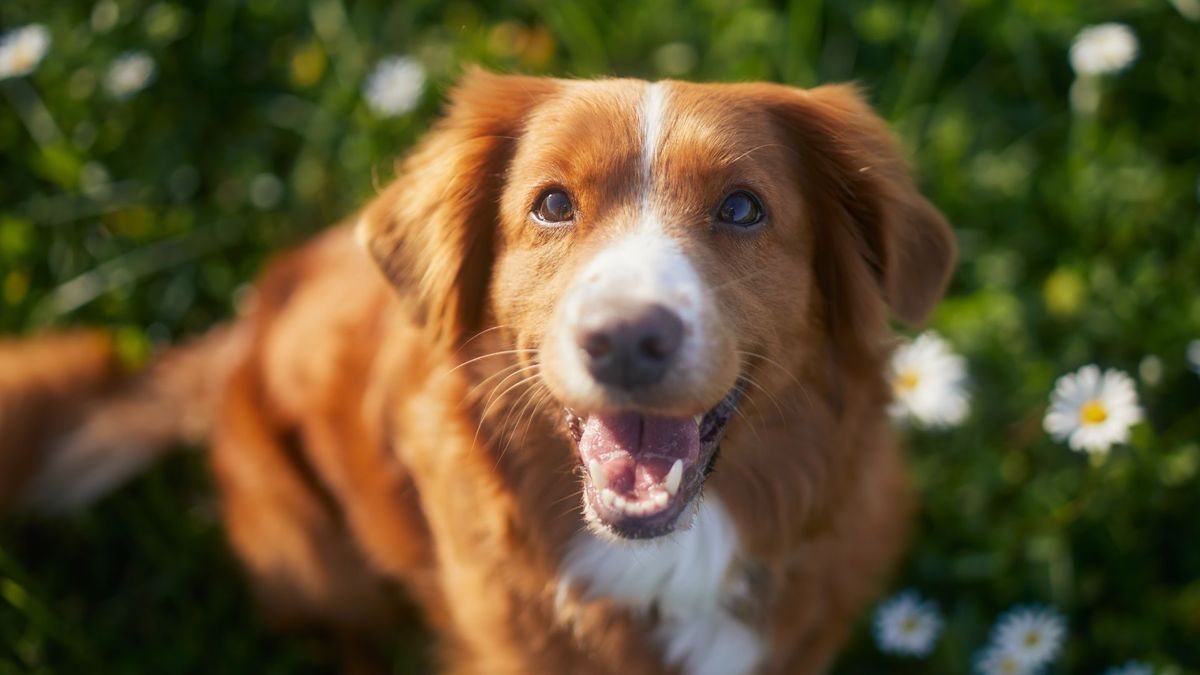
[690, 577]
[653, 113]
[645, 265]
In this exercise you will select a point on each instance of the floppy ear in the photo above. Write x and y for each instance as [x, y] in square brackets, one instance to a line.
[432, 229]
[878, 239]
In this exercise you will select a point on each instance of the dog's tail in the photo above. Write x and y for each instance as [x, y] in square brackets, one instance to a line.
[73, 425]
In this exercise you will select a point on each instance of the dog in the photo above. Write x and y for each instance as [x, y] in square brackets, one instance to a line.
[615, 404]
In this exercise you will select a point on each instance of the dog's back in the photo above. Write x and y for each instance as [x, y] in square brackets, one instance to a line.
[279, 394]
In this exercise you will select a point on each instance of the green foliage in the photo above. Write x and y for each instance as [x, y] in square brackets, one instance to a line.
[1078, 233]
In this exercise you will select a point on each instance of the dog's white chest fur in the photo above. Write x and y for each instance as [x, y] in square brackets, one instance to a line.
[690, 578]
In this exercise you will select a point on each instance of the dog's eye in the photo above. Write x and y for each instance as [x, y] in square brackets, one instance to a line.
[741, 209]
[554, 207]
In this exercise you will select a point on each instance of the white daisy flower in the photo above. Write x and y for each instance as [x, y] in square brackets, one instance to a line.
[996, 661]
[908, 625]
[1104, 48]
[929, 382]
[21, 50]
[395, 86]
[1092, 411]
[1193, 356]
[129, 73]
[1131, 668]
[1032, 636]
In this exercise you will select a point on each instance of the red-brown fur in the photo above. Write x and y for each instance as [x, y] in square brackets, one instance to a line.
[350, 442]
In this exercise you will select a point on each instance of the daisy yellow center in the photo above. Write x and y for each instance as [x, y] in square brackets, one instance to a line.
[907, 380]
[1009, 666]
[1093, 412]
[23, 58]
[1032, 639]
[910, 624]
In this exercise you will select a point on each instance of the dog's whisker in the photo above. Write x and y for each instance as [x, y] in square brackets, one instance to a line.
[545, 396]
[749, 423]
[528, 397]
[771, 362]
[519, 372]
[771, 397]
[483, 417]
[494, 435]
[541, 395]
[503, 352]
[572, 496]
[575, 508]
[504, 429]
[478, 335]
[503, 372]
[738, 280]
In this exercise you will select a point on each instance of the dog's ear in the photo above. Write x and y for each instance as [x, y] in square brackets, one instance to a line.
[432, 229]
[878, 239]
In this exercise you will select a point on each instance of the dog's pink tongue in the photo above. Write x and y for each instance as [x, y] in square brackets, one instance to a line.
[637, 451]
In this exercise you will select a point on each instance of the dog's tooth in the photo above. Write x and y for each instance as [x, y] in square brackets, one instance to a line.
[608, 497]
[661, 499]
[618, 501]
[599, 478]
[699, 418]
[674, 476]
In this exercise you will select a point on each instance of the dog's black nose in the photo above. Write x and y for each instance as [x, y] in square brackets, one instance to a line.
[628, 344]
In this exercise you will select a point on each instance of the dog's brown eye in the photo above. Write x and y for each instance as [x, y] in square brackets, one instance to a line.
[554, 207]
[741, 209]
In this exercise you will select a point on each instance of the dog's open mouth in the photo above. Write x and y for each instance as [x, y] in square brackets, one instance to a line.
[642, 472]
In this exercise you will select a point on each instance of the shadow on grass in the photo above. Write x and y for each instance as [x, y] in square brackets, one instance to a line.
[143, 583]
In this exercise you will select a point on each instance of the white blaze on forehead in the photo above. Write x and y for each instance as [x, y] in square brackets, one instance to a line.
[654, 107]
[647, 262]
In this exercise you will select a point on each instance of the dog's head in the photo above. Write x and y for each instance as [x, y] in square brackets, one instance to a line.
[656, 249]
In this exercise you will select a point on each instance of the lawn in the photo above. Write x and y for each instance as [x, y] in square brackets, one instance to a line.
[156, 153]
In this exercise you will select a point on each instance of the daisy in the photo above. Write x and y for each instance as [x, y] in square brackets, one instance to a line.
[1131, 668]
[21, 50]
[1193, 356]
[1032, 636]
[906, 624]
[1105, 48]
[395, 86]
[929, 382]
[129, 74]
[1092, 411]
[996, 661]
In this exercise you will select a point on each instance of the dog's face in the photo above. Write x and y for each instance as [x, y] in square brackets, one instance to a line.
[658, 250]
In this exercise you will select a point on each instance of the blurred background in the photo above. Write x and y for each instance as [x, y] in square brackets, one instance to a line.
[154, 154]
